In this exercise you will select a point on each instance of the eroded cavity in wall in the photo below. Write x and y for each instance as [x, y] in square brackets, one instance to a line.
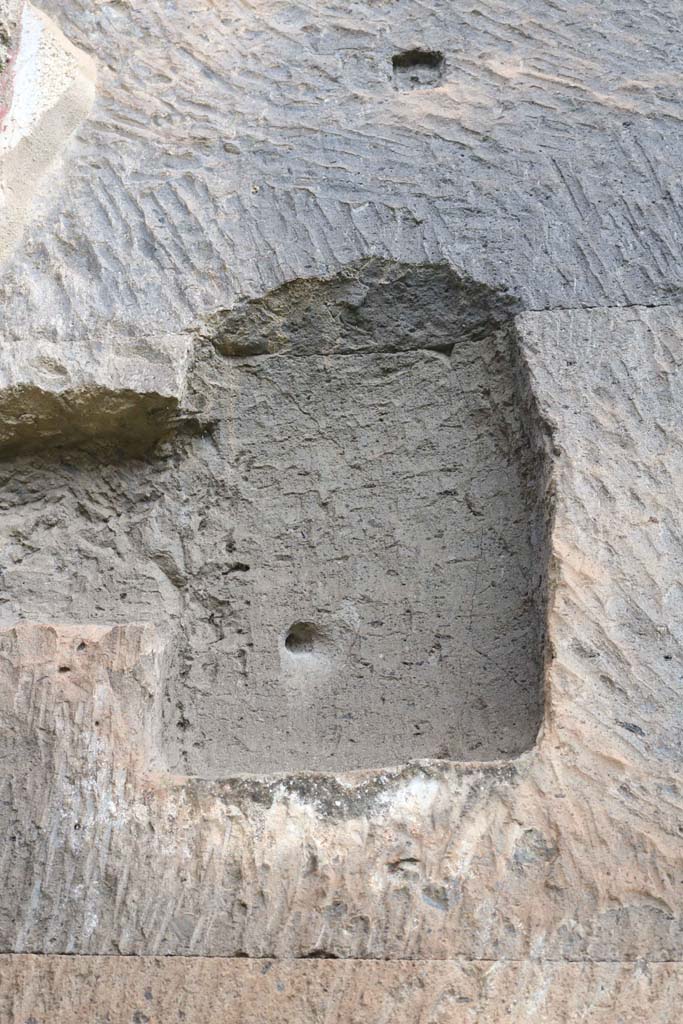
[350, 563]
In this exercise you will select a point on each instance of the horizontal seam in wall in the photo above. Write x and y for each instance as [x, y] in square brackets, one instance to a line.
[674, 306]
[562, 961]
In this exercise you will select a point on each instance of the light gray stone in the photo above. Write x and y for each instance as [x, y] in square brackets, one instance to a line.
[46, 90]
[10, 12]
[235, 148]
[127, 398]
[351, 561]
[569, 851]
[308, 339]
[147, 990]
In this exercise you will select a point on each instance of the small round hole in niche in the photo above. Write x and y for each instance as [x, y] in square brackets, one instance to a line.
[304, 638]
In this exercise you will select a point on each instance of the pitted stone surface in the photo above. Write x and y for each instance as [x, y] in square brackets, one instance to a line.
[352, 562]
[60, 990]
[234, 149]
[10, 12]
[46, 90]
[570, 851]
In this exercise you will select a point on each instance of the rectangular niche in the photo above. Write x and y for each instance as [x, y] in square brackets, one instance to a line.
[352, 565]
[389, 503]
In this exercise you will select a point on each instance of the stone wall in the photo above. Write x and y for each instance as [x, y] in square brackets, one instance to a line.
[340, 459]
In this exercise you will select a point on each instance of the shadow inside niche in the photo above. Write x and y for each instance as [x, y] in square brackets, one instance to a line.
[390, 484]
[417, 69]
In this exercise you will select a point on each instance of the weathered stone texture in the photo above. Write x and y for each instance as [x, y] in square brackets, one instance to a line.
[177, 990]
[350, 558]
[236, 147]
[127, 401]
[46, 90]
[10, 11]
[570, 851]
[305, 345]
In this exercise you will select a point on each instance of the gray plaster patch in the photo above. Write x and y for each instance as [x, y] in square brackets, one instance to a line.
[351, 562]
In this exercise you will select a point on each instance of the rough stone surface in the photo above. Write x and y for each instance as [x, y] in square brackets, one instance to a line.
[351, 560]
[126, 401]
[10, 11]
[331, 317]
[10, 22]
[233, 148]
[46, 90]
[571, 850]
[126, 990]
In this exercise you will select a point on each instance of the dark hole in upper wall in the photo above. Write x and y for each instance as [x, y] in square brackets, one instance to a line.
[417, 69]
